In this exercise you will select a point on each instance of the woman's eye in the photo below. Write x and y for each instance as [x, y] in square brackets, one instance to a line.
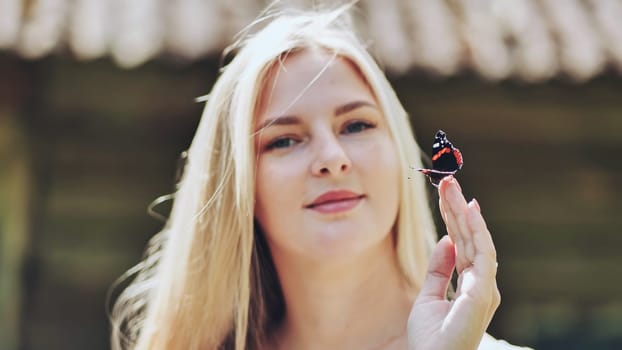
[282, 142]
[357, 126]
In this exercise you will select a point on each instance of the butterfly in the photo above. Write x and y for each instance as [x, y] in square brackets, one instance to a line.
[446, 159]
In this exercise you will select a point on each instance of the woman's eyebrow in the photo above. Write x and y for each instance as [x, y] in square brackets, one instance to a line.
[352, 106]
[282, 120]
[293, 120]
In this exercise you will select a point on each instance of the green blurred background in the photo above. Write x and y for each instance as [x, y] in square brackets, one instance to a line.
[85, 146]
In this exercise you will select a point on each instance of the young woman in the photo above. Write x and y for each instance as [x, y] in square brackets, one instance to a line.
[298, 223]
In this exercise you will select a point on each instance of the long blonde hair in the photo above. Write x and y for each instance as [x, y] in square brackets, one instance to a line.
[207, 280]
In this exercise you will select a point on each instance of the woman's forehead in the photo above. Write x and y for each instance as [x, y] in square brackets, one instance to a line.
[307, 74]
[313, 61]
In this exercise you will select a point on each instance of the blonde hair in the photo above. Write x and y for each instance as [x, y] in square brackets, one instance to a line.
[207, 280]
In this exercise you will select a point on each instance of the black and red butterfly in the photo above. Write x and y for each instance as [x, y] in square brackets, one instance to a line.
[446, 159]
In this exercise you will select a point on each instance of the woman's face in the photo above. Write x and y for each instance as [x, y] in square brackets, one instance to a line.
[327, 169]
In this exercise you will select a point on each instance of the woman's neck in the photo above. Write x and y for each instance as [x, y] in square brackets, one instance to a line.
[355, 303]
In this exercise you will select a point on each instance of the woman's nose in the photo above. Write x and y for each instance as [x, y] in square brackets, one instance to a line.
[331, 158]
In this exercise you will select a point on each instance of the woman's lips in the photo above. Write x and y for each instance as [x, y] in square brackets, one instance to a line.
[336, 202]
[337, 206]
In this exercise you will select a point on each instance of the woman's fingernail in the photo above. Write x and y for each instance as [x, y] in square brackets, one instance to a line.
[473, 211]
[446, 180]
[476, 204]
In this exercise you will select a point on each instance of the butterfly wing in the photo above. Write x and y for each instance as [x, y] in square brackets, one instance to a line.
[446, 159]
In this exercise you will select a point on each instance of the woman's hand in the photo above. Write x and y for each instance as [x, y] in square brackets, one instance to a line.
[436, 323]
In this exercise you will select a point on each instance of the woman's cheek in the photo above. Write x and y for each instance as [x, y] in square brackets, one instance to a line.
[280, 178]
[370, 155]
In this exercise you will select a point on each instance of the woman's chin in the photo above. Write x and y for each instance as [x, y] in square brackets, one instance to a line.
[341, 244]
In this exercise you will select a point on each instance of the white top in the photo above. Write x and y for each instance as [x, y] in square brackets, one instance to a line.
[490, 343]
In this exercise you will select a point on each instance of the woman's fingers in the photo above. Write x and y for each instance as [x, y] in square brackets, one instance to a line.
[440, 268]
[485, 260]
[468, 248]
[496, 300]
[450, 222]
[454, 210]
[474, 246]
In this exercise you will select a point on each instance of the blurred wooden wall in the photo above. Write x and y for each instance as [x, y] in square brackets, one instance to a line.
[543, 161]
[15, 185]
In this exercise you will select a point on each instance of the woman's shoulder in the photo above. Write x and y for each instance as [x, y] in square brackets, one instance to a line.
[490, 343]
